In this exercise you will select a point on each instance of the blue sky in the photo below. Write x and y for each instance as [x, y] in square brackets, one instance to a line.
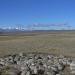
[36, 11]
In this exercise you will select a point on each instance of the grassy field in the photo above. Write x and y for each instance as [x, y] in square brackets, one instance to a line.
[48, 42]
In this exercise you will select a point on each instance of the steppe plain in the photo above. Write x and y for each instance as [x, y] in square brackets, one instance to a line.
[54, 42]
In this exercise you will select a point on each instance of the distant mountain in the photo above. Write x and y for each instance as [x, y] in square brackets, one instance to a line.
[9, 30]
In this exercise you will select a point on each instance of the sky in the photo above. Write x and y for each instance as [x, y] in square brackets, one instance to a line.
[27, 12]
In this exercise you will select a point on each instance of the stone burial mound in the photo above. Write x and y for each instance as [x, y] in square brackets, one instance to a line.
[36, 64]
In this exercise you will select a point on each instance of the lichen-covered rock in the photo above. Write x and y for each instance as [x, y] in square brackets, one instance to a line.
[35, 64]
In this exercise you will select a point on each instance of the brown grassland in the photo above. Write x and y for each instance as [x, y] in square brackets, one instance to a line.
[55, 42]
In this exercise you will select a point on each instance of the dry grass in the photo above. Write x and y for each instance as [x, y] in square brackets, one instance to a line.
[56, 43]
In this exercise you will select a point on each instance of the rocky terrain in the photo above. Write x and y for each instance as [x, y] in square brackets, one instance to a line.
[36, 64]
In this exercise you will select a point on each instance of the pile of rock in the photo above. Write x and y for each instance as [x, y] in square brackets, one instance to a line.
[35, 64]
